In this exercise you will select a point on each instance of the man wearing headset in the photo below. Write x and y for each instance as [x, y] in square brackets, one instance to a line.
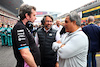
[44, 38]
[25, 50]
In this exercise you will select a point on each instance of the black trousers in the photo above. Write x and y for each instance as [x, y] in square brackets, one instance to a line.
[48, 62]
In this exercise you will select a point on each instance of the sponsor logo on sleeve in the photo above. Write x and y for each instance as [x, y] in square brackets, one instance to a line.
[22, 44]
[21, 35]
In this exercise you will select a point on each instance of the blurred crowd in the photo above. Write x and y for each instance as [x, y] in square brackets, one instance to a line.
[5, 33]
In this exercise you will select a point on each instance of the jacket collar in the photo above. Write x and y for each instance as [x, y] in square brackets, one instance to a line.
[79, 29]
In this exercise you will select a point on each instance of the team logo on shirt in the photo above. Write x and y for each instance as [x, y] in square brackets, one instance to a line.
[22, 44]
[50, 34]
[21, 35]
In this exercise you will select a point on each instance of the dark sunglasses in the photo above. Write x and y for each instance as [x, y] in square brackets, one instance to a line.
[48, 21]
[66, 21]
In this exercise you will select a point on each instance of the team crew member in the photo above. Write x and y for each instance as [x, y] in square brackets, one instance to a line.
[25, 50]
[3, 35]
[9, 37]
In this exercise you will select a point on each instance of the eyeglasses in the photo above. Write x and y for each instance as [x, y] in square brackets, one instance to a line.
[66, 21]
[48, 21]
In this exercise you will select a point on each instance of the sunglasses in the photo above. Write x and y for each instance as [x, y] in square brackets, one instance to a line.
[48, 21]
[66, 21]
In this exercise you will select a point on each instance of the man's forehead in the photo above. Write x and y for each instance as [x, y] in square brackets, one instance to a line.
[48, 17]
[33, 10]
[67, 17]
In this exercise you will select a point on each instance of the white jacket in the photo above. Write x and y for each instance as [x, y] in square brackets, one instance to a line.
[74, 53]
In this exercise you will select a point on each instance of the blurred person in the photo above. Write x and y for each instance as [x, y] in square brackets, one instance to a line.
[54, 24]
[86, 23]
[97, 23]
[82, 25]
[40, 26]
[3, 35]
[35, 28]
[58, 26]
[45, 36]
[73, 46]
[9, 36]
[0, 25]
[62, 32]
[93, 33]
[63, 23]
[11, 26]
[25, 50]
[0, 29]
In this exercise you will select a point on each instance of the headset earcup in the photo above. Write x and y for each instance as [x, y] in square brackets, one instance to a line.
[42, 21]
[29, 25]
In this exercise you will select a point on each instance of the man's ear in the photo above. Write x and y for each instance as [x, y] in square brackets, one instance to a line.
[27, 16]
[74, 22]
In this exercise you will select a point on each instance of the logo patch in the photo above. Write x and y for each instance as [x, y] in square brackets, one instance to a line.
[50, 34]
[21, 35]
[22, 44]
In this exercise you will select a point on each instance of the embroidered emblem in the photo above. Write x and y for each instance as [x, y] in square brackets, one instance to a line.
[50, 34]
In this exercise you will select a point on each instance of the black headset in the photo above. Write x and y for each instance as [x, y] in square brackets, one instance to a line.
[43, 20]
[29, 25]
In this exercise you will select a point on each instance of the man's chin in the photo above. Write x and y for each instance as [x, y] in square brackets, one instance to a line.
[48, 27]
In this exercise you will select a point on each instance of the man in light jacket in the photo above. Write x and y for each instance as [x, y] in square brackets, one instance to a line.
[73, 46]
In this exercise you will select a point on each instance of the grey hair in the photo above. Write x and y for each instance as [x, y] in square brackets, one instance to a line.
[73, 16]
[90, 19]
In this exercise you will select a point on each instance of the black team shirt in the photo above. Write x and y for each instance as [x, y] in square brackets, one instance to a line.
[22, 38]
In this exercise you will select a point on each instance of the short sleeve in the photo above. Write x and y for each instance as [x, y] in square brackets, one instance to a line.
[22, 40]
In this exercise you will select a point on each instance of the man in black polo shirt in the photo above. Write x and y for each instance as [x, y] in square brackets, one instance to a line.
[25, 50]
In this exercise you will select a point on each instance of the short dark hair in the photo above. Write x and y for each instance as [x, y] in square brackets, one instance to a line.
[24, 8]
[43, 20]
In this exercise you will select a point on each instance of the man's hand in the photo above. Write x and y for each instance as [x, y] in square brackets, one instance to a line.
[57, 64]
[58, 41]
[62, 45]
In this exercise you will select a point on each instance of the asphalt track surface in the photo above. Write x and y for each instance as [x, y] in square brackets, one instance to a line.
[7, 57]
